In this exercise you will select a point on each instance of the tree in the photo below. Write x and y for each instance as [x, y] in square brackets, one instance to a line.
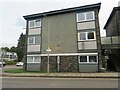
[13, 49]
[5, 49]
[21, 47]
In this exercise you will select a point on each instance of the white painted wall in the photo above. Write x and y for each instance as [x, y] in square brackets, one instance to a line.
[33, 48]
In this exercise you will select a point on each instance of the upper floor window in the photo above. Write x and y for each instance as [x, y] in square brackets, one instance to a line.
[86, 16]
[35, 23]
[86, 36]
[34, 40]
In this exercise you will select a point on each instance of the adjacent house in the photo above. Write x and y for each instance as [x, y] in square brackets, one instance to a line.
[9, 56]
[72, 35]
[111, 43]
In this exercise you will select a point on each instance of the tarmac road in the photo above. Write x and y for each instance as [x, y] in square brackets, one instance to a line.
[9, 67]
[39, 82]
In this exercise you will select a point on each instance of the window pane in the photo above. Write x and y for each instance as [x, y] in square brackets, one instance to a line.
[81, 17]
[89, 16]
[82, 36]
[37, 40]
[37, 23]
[29, 59]
[31, 23]
[36, 59]
[91, 35]
[83, 58]
[92, 59]
[30, 40]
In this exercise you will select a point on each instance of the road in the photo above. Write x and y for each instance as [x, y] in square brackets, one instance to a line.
[10, 67]
[38, 82]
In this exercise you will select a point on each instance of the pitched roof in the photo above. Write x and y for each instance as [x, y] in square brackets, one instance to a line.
[111, 15]
[92, 6]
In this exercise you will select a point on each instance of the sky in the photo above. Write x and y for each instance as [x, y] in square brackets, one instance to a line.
[12, 23]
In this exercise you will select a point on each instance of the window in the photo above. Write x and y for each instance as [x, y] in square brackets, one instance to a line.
[92, 59]
[83, 58]
[29, 59]
[86, 16]
[90, 35]
[81, 16]
[82, 36]
[30, 40]
[35, 23]
[89, 16]
[37, 59]
[31, 23]
[33, 59]
[37, 40]
[87, 59]
[34, 40]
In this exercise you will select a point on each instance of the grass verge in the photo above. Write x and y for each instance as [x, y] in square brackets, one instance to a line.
[22, 71]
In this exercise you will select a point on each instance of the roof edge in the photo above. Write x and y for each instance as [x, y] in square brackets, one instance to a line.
[97, 5]
[110, 17]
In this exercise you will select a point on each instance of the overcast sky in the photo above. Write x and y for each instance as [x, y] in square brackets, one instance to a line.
[12, 12]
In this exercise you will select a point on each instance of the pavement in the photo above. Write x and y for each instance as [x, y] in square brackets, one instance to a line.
[66, 75]
[106, 74]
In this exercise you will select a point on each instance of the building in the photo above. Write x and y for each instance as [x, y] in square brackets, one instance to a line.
[9, 56]
[111, 42]
[72, 34]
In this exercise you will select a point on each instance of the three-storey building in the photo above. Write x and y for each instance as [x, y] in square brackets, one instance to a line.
[73, 35]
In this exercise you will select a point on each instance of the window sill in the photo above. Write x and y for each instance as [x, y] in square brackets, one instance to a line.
[87, 40]
[85, 21]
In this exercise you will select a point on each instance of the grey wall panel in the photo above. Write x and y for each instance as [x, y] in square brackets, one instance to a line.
[86, 25]
[33, 66]
[63, 37]
[88, 67]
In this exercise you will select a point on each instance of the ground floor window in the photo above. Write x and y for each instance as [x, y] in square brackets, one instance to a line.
[33, 59]
[87, 59]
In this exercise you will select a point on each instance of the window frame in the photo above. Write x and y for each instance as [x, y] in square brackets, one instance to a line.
[33, 59]
[88, 60]
[85, 16]
[86, 36]
[34, 23]
[34, 40]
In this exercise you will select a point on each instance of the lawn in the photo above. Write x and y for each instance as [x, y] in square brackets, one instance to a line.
[22, 71]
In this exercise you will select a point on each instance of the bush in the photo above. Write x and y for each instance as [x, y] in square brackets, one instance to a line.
[10, 62]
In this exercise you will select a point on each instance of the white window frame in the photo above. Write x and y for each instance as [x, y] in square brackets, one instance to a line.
[34, 40]
[86, 36]
[34, 23]
[88, 59]
[85, 13]
[33, 59]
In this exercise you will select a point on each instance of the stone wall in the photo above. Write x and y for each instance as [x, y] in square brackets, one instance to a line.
[68, 64]
[52, 63]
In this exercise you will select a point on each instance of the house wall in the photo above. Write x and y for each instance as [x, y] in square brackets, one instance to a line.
[118, 20]
[112, 28]
[62, 33]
